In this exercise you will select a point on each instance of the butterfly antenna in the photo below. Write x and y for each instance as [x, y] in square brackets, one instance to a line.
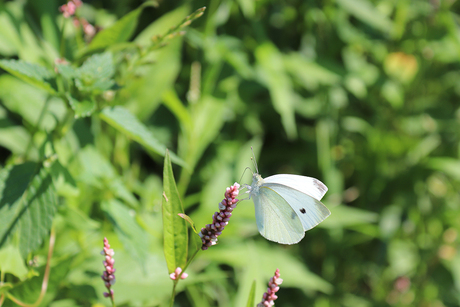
[245, 172]
[254, 160]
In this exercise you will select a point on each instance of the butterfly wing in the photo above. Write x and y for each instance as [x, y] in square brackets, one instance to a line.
[276, 219]
[308, 185]
[310, 210]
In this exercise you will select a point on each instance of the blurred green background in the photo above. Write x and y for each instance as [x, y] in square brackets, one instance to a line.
[362, 95]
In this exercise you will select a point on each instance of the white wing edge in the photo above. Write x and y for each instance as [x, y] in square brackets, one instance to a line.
[307, 185]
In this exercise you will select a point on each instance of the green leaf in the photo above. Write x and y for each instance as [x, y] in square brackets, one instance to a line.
[252, 294]
[31, 73]
[447, 165]
[96, 73]
[119, 32]
[12, 262]
[343, 216]
[131, 235]
[82, 108]
[196, 239]
[30, 102]
[272, 73]
[174, 227]
[367, 13]
[27, 205]
[122, 120]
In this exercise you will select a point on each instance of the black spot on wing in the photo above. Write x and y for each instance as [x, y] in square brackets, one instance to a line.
[303, 211]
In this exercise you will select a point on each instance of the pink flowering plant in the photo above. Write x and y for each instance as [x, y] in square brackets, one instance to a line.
[88, 102]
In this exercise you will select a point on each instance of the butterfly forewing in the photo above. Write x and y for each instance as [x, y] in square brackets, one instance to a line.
[276, 220]
[307, 185]
[310, 211]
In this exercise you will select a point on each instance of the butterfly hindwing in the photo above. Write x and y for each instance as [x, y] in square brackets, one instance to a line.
[310, 210]
[276, 219]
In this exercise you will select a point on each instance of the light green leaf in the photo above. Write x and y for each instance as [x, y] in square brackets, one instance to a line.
[96, 73]
[12, 262]
[174, 227]
[31, 73]
[119, 32]
[82, 108]
[367, 13]
[29, 102]
[272, 73]
[309, 73]
[252, 294]
[447, 165]
[343, 216]
[260, 257]
[196, 239]
[27, 205]
[131, 235]
[122, 120]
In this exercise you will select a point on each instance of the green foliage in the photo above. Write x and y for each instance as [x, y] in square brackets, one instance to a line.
[174, 227]
[360, 94]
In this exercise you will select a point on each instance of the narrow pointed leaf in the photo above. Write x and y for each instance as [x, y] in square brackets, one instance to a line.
[174, 227]
[27, 205]
[252, 295]
[119, 32]
[196, 239]
[123, 120]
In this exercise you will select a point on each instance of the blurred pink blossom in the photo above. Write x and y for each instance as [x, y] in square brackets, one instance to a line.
[109, 274]
[273, 287]
[176, 274]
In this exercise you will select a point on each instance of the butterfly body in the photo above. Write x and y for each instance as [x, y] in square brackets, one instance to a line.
[287, 205]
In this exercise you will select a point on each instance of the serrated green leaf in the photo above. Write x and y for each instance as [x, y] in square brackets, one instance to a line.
[252, 294]
[122, 120]
[12, 262]
[119, 32]
[96, 73]
[131, 235]
[174, 227]
[31, 73]
[82, 108]
[66, 70]
[27, 205]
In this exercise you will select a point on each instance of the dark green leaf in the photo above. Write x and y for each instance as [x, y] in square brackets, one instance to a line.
[174, 227]
[27, 205]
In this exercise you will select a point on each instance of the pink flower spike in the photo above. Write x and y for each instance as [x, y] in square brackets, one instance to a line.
[108, 275]
[220, 219]
[273, 287]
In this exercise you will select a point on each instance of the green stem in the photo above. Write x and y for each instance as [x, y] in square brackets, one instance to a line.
[173, 295]
[40, 119]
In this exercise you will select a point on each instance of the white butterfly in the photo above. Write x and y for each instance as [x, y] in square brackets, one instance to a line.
[287, 206]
